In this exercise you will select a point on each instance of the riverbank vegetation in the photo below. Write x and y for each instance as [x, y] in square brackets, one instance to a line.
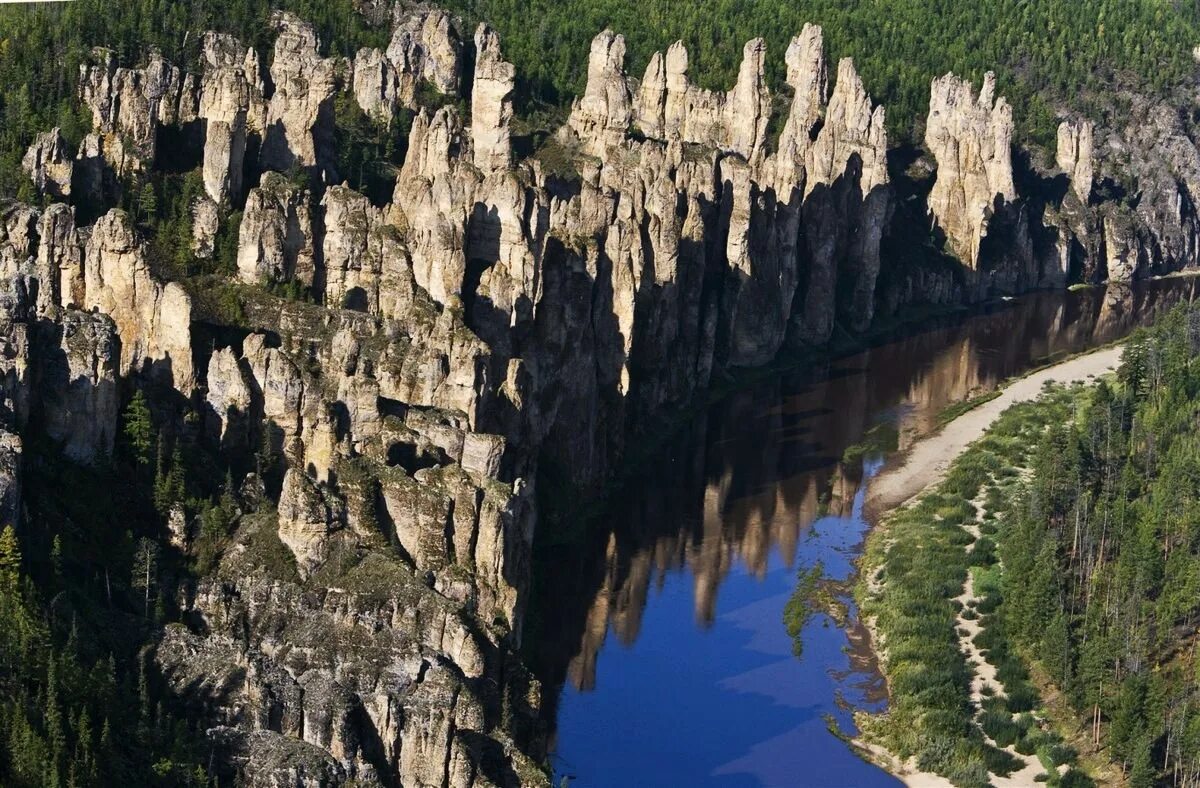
[1078, 517]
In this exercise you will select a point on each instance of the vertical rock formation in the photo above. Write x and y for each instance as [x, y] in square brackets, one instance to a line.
[971, 138]
[49, 165]
[129, 104]
[491, 103]
[152, 319]
[275, 240]
[78, 385]
[299, 123]
[669, 107]
[229, 88]
[1074, 156]
[601, 116]
[425, 47]
[375, 83]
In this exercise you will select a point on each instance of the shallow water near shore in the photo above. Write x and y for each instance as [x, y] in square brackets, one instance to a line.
[661, 636]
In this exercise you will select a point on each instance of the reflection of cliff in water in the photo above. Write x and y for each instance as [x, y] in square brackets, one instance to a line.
[751, 472]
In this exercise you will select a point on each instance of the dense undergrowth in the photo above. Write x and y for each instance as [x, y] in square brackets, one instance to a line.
[1088, 571]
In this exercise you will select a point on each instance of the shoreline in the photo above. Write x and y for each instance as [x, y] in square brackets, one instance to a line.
[927, 462]
[923, 467]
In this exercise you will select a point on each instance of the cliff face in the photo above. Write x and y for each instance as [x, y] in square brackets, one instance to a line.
[496, 322]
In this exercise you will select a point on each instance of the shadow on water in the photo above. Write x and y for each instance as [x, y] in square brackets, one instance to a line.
[662, 643]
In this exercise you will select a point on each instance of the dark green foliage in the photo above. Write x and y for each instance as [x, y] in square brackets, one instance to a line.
[1044, 52]
[1102, 555]
[138, 429]
[80, 585]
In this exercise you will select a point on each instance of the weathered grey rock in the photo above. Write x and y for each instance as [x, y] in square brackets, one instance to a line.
[669, 107]
[153, 319]
[59, 261]
[128, 105]
[275, 239]
[491, 103]
[1074, 156]
[10, 478]
[376, 87]
[601, 116]
[971, 138]
[425, 47]
[229, 398]
[50, 165]
[309, 513]
[299, 123]
[77, 386]
[206, 221]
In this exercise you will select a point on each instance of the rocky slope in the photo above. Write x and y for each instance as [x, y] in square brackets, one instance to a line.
[496, 323]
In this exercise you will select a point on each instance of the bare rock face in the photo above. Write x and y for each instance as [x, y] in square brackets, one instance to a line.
[59, 261]
[128, 105]
[1121, 247]
[50, 165]
[808, 77]
[78, 386]
[229, 398]
[1074, 156]
[153, 319]
[491, 103]
[601, 117]
[425, 47]
[376, 87]
[231, 102]
[971, 138]
[309, 513]
[10, 477]
[275, 241]
[367, 265]
[206, 221]
[299, 122]
[669, 107]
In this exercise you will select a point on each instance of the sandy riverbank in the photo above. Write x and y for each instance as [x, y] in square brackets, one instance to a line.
[926, 465]
[928, 461]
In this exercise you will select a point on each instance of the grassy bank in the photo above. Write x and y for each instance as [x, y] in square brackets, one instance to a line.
[943, 717]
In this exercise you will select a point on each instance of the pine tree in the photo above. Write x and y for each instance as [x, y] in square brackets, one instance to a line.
[139, 429]
[10, 560]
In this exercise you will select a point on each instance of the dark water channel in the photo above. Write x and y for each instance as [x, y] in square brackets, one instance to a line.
[662, 638]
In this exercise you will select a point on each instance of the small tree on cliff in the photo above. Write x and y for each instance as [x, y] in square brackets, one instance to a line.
[139, 429]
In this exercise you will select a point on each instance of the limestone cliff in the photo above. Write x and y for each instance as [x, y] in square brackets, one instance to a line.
[498, 322]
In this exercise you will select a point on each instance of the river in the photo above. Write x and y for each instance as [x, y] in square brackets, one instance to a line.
[660, 638]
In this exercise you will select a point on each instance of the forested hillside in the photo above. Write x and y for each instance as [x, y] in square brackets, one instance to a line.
[1046, 53]
[1102, 561]
[1060, 563]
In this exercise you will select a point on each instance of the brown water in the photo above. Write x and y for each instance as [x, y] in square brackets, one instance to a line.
[661, 637]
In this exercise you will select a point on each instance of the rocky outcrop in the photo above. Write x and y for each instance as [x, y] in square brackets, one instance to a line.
[206, 222]
[10, 478]
[398, 374]
[601, 116]
[669, 107]
[77, 385]
[1074, 156]
[153, 319]
[971, 138]
[275, 240]
[491, 103]
[129, 104]
[299, 122]
[376, 86]
[425, 48]
[49, 165]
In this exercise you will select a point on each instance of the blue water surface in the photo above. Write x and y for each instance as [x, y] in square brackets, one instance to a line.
[728, 705]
